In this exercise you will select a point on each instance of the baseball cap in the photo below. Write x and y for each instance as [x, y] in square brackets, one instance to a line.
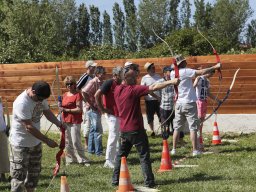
[179, 59]
[42, 89]
[147, 65]
[167, 68]
[90, 63]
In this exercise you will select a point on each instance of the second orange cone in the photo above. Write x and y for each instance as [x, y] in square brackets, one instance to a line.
[166, 162]
[125, 184]
[64, 184]
[216, 135]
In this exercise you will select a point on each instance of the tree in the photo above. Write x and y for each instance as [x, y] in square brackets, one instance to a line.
[251, 33]
[131, 28]
[107, 32]
[174, 23]
[185, 14]
[119, 26]
[83, 27]
[153, 14]
[229, 21]
[199, 13]
[96, 26]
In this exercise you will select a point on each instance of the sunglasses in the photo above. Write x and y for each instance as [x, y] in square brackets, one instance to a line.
[70, 84]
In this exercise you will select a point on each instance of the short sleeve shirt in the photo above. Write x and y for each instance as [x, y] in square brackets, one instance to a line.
[149, 80]
[69, 102]
[202, 88]
[128, 103]
[24, 108]
[107, 88]
[186, 91]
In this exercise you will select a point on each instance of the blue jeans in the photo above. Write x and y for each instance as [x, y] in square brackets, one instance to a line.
[95, 134]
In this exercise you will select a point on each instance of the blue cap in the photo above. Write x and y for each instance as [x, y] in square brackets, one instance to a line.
[167, 68]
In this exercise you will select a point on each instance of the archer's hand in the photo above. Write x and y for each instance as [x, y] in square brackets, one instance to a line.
[51, 143]
[218, 66]
[176, 81]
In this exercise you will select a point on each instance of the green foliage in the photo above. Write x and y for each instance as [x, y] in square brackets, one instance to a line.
[102, 53]
[107, 32]
[174, 23]
[185, 12]
[118, 26]
[96, 26]
[251, 33]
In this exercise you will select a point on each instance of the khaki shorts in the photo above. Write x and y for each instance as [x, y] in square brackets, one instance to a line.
[186, 112]
[25, 166]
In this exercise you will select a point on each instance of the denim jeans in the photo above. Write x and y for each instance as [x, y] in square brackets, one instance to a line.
[95, 134]
[140, 140]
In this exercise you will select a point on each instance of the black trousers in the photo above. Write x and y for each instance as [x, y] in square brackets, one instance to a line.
[140, 140]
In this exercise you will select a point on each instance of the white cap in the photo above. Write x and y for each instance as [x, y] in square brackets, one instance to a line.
[90, 63]
[128, 63]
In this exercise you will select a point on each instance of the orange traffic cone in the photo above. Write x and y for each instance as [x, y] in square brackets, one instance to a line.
[216, 135]
[64, 185]
[125, 184]
[166, 162]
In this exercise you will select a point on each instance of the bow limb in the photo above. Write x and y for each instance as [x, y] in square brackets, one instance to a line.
[214, 52]
[176, 69]
[226, 96]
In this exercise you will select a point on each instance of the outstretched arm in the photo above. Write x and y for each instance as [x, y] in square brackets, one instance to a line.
[158, 86]
[208, 70]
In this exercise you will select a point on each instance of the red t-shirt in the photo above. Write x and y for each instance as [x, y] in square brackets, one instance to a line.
[69, 102]
[107, 88]
[128, 103]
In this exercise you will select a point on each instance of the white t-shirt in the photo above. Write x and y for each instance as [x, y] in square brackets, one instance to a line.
[24, 108]
[186, 91]
[202, 88]
[149, 80]
[2, 122]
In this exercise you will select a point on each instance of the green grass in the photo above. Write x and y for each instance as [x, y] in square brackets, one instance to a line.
[230, 168]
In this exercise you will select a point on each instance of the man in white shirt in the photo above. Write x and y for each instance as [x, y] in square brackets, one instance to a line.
[186, 108]
[26, 137]
[152, 101]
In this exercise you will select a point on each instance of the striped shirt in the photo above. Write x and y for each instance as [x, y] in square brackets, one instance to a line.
[167, 96]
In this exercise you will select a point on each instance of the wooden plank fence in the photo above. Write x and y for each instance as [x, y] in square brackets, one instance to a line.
[15, 78]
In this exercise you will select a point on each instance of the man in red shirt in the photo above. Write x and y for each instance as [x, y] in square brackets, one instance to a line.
[127, 97]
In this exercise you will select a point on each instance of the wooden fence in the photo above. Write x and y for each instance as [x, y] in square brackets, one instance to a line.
[15, 78]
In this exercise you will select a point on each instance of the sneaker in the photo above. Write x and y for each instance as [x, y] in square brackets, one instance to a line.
[109, 164]
[173, 151]
[196, 153]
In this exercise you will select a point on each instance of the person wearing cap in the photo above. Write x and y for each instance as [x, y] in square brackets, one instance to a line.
[90, 66]
[167, 104]
[93, 112]
[26, 138]
[202, 86]
[71, 108]
[132, 133]
[106, 103]
[186, 107]
[152, 101]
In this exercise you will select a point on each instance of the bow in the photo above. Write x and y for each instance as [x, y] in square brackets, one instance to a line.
[226, 96]
[176, 69]
[165, 135]
[62, 129]
[214, 52]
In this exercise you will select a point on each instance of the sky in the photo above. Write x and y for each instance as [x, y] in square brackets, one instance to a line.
[108, 4]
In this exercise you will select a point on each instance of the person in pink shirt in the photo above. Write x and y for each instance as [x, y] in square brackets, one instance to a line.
[93, 112]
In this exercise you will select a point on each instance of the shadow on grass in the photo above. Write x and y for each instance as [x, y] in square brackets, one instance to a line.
[196, 177]
[240, 149]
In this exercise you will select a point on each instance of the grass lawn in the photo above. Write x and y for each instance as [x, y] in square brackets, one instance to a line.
[230, 168]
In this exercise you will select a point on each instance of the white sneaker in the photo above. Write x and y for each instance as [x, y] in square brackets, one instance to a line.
[109, 164]
[196, 153]
[173, 151]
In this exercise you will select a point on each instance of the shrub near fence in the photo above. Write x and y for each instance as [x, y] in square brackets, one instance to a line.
[15, 78]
